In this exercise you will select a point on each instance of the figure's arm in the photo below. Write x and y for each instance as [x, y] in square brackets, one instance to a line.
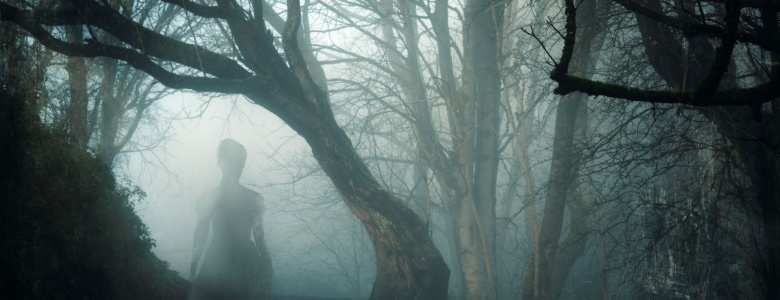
[257, 225]
[201, 233]
[258, 234]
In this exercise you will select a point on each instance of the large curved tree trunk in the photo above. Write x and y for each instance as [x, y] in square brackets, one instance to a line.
[408, 264]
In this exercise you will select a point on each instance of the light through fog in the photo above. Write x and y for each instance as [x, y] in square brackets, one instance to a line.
[179, 170]
[464, 149]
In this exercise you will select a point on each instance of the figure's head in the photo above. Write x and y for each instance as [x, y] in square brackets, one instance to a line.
[231, 157]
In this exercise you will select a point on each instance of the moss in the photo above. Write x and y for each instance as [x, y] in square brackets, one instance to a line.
[381, 222]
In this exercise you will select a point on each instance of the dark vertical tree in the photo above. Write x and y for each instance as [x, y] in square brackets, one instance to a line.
[693, 47]
[77, 111]
[564, 168]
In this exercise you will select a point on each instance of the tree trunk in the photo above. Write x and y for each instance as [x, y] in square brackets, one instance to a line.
[743, 127]
[580, 199]
[468, 173]
[482, 88]
[77, 77]
[573, 245]
[112, 104]
[110, 113]
[562, 172]
[761, 164]
[565, 162]
[408, 264]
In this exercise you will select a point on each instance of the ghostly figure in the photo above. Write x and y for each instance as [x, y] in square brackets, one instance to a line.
[236, 264]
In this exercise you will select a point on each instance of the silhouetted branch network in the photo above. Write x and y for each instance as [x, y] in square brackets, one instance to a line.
[733, 27]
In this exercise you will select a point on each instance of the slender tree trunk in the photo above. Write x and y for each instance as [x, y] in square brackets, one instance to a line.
[111, 111]
[562, 172]
[482, 87]
[573, 245]
[565, 163]
[602, 256]
[77, 76]
[519, 126]
[580, 199]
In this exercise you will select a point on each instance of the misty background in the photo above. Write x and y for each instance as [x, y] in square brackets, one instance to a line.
[418, 136]
[308, 229]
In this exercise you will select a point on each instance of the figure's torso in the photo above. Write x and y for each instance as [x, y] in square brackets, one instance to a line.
[231, 212]
[232, 215]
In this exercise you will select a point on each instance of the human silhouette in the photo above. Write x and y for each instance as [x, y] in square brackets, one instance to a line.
[236, 264]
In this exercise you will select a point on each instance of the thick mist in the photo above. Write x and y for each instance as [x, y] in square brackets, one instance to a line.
[307, 229]
[431, 149]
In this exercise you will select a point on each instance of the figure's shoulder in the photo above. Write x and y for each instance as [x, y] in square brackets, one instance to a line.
[254, 197]
[249, 193]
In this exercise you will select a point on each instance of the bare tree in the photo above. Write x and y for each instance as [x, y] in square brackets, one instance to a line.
[684, 34]
[461, 150]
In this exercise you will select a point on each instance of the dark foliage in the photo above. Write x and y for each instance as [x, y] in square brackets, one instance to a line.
[69, 230]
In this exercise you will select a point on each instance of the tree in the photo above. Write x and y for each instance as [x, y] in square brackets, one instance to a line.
[540, 281]
[69, 228]
[754, 24]
[461, 150]
[408, 265]
[100, 102]
[684, 33]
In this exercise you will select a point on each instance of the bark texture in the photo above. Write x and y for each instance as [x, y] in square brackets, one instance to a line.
[744, 126]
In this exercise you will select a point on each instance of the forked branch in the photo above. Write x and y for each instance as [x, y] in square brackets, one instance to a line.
[705, 93]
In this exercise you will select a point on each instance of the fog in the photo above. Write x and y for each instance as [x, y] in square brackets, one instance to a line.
[300, 201]
[433, 149]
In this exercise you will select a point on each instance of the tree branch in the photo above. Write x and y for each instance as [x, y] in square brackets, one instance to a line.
[769, 43]
[723, 54]
[706, 93]
[146, 41]
[133, 58]
[205, 11]
[736, 97]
